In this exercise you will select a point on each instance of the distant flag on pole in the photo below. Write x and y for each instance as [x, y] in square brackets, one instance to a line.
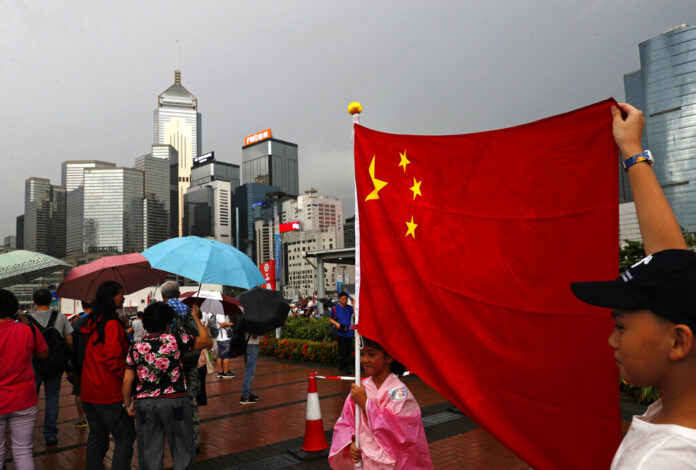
[467, 247]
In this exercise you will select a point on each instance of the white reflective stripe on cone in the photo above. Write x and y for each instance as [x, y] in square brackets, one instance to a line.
[313, 410]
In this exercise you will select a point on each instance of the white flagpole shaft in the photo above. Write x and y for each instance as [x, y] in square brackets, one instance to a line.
[356, 301]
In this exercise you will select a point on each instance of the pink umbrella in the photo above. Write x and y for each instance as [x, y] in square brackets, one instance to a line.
[230, 305]
[132, 271]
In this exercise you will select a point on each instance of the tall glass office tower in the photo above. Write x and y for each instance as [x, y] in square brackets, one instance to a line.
[177, 122]
[272, 162]
[113, 209]
[665, 87]
[44, 217]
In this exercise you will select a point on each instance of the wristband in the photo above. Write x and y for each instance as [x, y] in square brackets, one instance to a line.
[645, 156]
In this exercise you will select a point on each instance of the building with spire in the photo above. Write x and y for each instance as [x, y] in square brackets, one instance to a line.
[177, 122]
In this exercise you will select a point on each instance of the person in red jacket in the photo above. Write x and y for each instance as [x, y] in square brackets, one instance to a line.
[102, 373]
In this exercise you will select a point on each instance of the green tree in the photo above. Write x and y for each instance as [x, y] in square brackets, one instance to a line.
[630, 254]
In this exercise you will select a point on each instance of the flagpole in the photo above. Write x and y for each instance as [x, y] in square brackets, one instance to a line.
[355, 109]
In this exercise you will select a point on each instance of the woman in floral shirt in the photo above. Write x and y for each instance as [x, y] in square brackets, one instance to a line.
[154, 366]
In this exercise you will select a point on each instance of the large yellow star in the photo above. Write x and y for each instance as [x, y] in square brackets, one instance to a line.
[411, 228]
[404, 160]
[379, 184]
[416, 188]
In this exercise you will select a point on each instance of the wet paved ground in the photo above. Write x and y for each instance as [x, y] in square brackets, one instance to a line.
[259, 436]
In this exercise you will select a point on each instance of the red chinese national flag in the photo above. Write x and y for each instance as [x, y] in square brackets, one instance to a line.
[468, 245]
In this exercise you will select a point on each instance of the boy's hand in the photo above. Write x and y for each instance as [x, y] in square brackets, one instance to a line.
[358, 395]
[629, 130]
[354, 452]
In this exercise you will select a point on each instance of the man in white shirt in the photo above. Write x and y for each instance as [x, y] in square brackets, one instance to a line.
[219, 323]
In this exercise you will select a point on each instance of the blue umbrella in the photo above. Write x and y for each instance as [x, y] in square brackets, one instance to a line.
[205, 260]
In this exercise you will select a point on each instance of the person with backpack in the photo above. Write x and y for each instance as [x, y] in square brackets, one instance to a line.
[103, 367]
[57, 332]
[220, 325]
[18, 398]
[184, 324]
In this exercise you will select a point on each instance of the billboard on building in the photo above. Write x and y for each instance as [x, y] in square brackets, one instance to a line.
[257, 137]
[289, 227]
[201, 159]
[277, 255]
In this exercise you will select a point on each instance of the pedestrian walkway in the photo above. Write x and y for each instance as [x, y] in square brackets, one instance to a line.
[258, 436]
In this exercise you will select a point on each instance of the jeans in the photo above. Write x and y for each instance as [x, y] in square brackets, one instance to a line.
[158, 418]
[102, 420]
[52, 391]
[22, 433]
[252, 354]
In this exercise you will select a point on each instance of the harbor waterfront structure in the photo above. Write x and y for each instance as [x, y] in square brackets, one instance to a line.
[665, 88]
[113, 209]
[177, 122]
[270, 161]
[44, 217]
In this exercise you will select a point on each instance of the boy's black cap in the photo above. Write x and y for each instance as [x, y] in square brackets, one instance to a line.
[664, 283]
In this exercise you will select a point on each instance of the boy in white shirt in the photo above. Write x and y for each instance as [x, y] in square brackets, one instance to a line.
[218, 324]
[654, 309]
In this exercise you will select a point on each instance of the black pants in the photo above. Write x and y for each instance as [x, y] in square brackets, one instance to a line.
[202, 396]
[104, 420]
[345, 348]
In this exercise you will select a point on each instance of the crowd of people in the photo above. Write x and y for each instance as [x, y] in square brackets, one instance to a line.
[141, 381]
[156, 378]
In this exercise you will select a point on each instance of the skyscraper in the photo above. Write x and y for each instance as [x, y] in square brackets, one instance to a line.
[156, 198]
[177, 122]
[72, 177]
[113, 209]
[71, 171]
[270, 161]
[665, 88]
[44, 217]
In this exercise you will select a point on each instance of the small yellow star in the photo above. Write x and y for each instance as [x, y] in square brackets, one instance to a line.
[404, 160]
[411, 228]
[416, 188]
[379, 184]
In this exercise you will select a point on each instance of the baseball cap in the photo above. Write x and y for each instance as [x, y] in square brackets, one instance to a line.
[663, 282]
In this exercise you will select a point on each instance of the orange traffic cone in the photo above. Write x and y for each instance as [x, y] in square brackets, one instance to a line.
[314, 438]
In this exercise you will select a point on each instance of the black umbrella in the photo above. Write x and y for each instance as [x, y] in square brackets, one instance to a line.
[326, 302]
[264, 310]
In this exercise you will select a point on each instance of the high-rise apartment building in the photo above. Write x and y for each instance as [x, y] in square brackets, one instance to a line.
[72, 171]
[113, 209]
[314, 212]
[270, 161]
[177, 122]
[44, 217]
[665, 87]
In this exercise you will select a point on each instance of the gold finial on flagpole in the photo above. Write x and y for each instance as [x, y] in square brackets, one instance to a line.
[355, 109]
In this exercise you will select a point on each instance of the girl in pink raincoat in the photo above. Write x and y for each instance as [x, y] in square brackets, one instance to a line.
[391, 431]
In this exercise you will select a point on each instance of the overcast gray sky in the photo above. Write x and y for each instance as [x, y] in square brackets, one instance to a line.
[80, 79]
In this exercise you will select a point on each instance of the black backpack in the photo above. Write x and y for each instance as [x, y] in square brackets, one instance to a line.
[59, 354]
[79, 346]
[186, 325]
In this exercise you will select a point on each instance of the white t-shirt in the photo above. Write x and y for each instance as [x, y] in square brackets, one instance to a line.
[220, 318]
[648, 446]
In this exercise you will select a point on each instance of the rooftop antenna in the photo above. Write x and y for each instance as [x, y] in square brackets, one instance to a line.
[177, 73]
